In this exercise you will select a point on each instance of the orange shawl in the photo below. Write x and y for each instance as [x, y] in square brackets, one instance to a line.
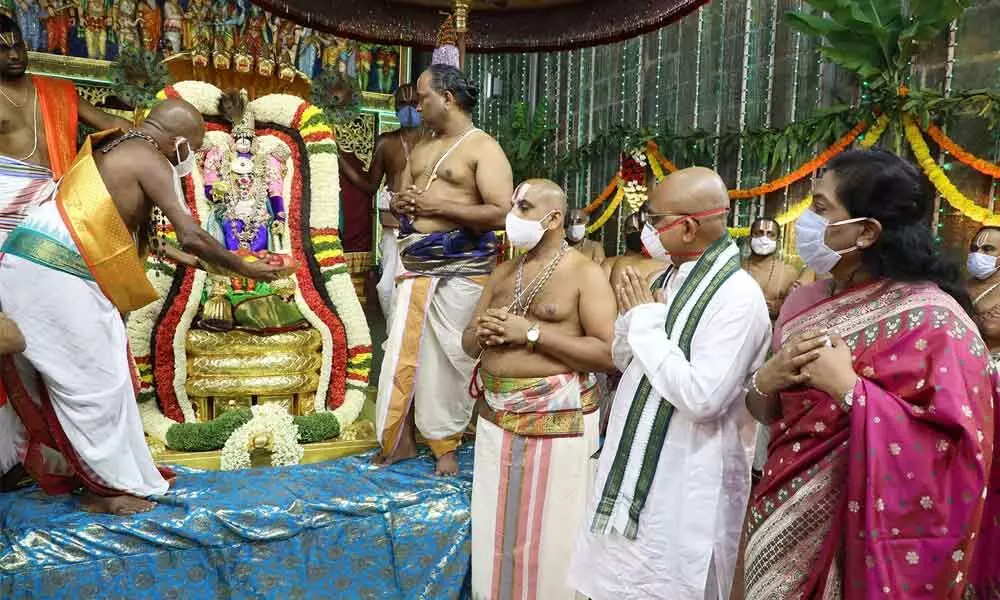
[57, 103]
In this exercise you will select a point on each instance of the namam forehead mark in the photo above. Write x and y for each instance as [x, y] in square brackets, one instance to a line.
[766, 227]
[986, 237]
[10, 39]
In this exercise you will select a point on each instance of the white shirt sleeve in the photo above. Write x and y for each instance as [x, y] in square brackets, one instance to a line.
[621, 351]
[730, 340]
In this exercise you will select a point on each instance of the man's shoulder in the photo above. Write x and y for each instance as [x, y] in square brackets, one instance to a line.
[741, 292]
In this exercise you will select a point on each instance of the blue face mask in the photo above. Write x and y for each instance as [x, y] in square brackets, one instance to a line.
[408, 117]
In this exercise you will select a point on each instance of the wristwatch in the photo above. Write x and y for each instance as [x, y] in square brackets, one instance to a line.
[532, 336]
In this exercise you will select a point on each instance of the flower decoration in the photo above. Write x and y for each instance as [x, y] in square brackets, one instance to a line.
[961, 154]
[272, 427]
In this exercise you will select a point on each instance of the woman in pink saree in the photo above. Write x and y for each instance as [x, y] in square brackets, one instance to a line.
[881, 401]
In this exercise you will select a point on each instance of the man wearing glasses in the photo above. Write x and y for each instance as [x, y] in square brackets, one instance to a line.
[664, 518]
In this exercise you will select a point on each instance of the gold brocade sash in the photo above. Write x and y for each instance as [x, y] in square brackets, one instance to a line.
[550, 419]
[106, 244]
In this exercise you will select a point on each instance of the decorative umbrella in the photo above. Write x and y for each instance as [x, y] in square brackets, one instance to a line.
[493, 25]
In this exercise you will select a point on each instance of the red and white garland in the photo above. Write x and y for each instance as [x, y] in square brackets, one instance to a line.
[344, 330]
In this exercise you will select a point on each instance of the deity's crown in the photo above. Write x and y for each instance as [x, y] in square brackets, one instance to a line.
[244, 127]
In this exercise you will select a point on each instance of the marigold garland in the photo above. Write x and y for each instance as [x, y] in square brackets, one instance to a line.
[961, 154]
[875, 133]
[610, 210]
[805, 170]
[590, 208]
[944, 186]
[789, 216]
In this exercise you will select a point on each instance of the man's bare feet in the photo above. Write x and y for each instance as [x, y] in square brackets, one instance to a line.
[407, 448]
[447, 465]
[121, 506]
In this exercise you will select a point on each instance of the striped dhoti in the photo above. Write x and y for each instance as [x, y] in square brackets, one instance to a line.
[23, 186]
[533, 472]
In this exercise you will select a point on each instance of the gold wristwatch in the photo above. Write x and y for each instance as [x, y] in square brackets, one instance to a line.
[532, 336]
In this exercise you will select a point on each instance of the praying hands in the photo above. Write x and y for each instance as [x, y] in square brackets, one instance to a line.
[633, 290]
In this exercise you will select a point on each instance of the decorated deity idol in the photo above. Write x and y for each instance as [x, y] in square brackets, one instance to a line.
[227, 19]
[310, 46]
[286, 46]
[96, 21]
[29, 18]
[126, 24]
[331, 51]
[387, 71]
[57, 17]
[152, 24]
[364, 66]
[173, 25]
[255, 39]
[245, 186]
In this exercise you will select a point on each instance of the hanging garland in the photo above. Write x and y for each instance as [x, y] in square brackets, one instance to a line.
[789, 216]
[937, 176]
[610, 210]
[615, 181]
[961, 154]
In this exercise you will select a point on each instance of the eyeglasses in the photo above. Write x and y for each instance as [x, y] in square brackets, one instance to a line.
[651, 218]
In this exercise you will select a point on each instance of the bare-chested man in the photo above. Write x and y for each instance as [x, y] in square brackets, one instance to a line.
[460, 193]
[544, 321]
[984, 286]
[77, 422]
[774, 276]
[392, 153]
[576, 233]
[38, 126]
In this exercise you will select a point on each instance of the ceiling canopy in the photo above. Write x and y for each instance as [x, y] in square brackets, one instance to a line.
[494, 25]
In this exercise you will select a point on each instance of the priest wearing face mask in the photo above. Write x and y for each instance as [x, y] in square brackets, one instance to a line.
[775, 277]
[70, 271]
[673, 478]
[542, 325]
[984, 286]
[881, 404]
[576, 234]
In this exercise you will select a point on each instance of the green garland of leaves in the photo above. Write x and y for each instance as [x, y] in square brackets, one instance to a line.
[212, 435]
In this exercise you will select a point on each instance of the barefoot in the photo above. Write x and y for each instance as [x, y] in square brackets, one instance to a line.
[121, 506]
[407, 448]
[447, 465]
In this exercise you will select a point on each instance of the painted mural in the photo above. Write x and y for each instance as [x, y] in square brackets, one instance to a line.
[229, 34]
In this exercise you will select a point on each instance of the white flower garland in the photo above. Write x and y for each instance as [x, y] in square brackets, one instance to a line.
[272, 421]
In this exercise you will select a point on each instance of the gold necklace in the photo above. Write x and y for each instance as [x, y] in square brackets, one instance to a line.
[11, 100]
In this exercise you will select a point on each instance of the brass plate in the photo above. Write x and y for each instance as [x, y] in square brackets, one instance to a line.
[314, 453]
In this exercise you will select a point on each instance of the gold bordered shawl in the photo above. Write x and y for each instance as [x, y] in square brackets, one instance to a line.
[106, 244]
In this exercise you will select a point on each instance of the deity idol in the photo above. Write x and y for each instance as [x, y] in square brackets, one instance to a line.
[29, 18]
[96, 21]
[245, 187]
[173, 24]
[152, 24]
[254, 40]
[57, 17]
[387, 71]
[310, 46]
[364, 66]
[286, 46]
[126, 24]
[227, 19]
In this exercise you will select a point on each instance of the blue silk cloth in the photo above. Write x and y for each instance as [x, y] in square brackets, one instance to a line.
[336, 530]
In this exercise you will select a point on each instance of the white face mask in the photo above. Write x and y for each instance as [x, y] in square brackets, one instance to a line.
[651, 242]
[576, 232]
[810, 241]
[524, 234]
[763, 245]
[184, 167]
[981, 266]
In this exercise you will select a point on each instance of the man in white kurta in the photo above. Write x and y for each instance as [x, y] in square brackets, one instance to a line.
[690, 361]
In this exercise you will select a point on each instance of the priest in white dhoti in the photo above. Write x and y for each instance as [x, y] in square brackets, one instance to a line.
[673, 478]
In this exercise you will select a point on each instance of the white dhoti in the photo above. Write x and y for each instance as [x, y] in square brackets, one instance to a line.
[533, 474]
[391, 269]
[73, 388]
[425, 368]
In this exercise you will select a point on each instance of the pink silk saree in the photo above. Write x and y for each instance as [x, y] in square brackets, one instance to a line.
[883, 498]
